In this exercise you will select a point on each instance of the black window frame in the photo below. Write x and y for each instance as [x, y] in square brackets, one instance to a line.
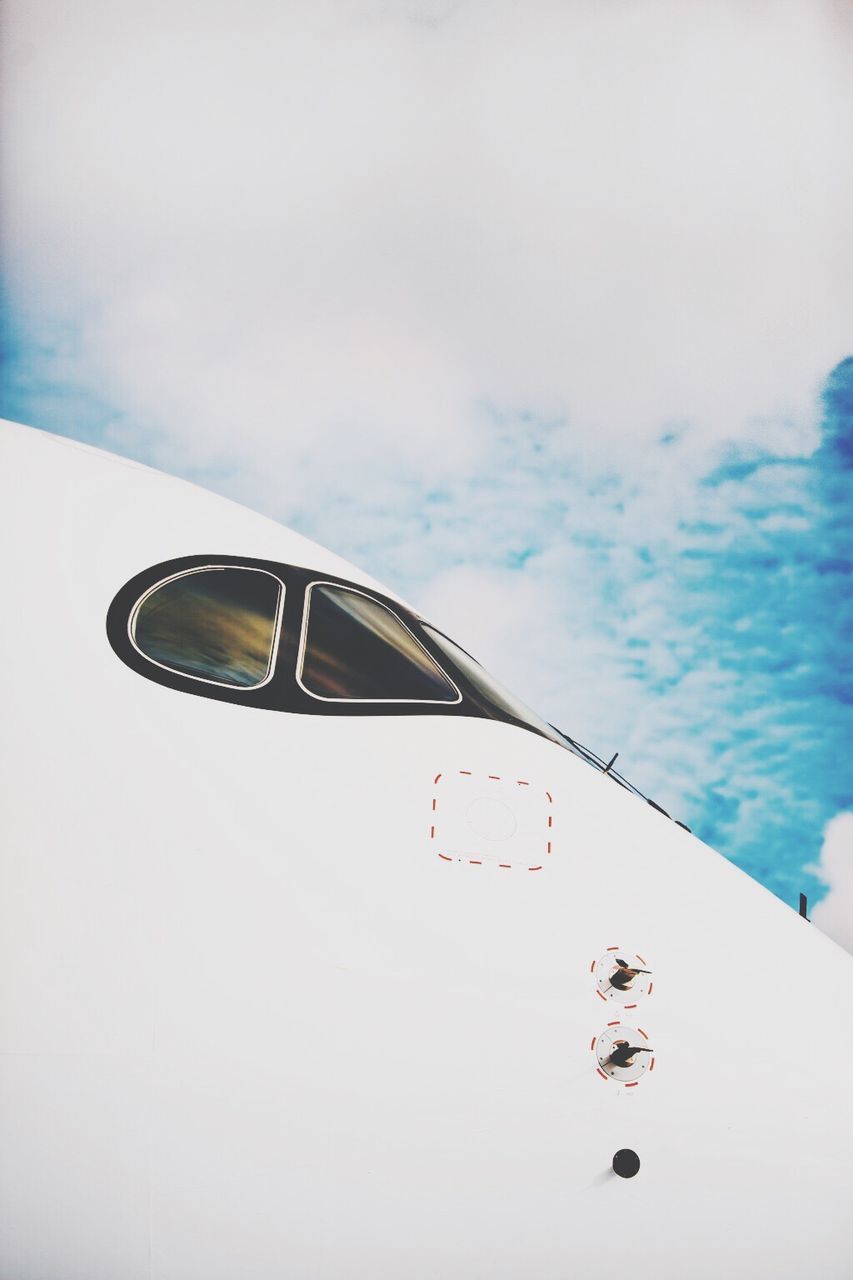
[282, 692]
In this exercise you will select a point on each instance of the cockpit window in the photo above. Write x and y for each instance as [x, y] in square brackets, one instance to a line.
[488, 690]
[217, 624]
[356, 649]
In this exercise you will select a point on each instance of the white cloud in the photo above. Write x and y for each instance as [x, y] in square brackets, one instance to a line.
[284, 224]
[834, 915]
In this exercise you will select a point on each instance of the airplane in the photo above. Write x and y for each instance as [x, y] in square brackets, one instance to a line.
[309, 932]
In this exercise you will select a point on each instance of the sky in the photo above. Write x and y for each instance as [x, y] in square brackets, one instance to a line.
[539, 312]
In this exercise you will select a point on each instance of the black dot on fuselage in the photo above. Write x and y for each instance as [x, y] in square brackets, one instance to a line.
[626, 1163]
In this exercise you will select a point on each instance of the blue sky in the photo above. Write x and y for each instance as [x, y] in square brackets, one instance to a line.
[539, 313]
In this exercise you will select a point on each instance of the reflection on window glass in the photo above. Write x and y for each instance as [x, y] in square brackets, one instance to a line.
[355, 648]
[488, 689]
[215, 624]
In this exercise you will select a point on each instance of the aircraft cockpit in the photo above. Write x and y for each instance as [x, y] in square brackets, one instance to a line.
[284, 638]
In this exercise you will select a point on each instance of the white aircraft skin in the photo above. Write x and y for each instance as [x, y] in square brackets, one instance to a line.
[256, 1021]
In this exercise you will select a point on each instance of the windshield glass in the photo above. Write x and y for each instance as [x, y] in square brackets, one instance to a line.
[356, 649]
[217, 624]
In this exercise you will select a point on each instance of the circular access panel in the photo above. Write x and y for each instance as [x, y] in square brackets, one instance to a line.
[623, 1054]
[491, 819]
[622, 977]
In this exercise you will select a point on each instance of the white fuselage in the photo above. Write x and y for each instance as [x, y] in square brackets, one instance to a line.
[253, 1024]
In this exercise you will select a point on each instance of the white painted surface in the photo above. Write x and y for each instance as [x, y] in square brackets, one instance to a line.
[252, 1025]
